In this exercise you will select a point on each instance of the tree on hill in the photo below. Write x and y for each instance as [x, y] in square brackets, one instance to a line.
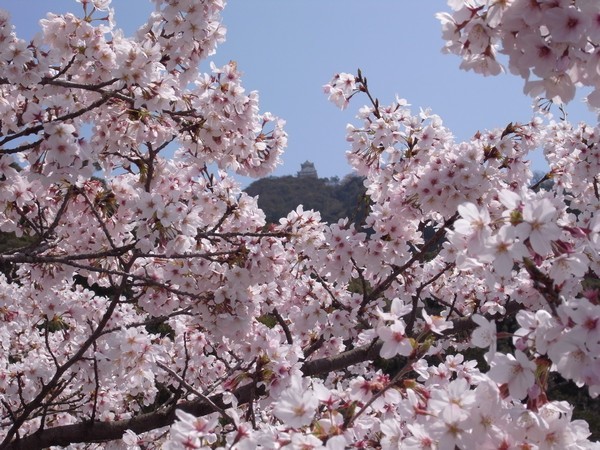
[277, 196]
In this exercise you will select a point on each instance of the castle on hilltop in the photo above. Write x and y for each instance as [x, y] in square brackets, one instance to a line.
[307, 170]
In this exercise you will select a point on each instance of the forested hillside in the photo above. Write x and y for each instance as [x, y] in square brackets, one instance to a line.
[277, 196]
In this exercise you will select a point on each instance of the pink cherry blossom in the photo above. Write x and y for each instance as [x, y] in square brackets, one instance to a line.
[395, 342]
[538, 225]
[146, 302]
[517, 371]
[436, 324]
[503, 249]
[296, 406]
[484, 336]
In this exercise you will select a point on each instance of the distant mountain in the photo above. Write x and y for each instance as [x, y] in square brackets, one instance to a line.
[334, 199]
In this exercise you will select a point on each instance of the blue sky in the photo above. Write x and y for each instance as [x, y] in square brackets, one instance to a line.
[287, 50]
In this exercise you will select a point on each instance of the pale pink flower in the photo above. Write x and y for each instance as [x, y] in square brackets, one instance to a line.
[484, 336]
[395, 342]
[450, 434]
[437, 324]
[539, 225]
[340, 89]
[347, 83]
[420, 440]
[558, 87]
[304, 442]
[392, 434]
[537, 53]
[503, 249]
[570, 355]
[516, 371]
[566, 24]
[567, 266]
[586, 317]
[338, 442]
[453, 402]
[487, 410]
[509, 199]
[398, 309]
[482, 64]
[194, 430]
[474, 222]
[131, 440]
[296, 405]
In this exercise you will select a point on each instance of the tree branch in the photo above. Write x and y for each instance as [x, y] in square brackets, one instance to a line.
[107, 431]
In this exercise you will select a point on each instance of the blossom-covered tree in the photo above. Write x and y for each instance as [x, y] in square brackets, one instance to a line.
[145, 303]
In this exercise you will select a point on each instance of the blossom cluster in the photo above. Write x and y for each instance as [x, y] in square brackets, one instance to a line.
[507, 246]
[146, 303]
[450, 406]
[553, 45]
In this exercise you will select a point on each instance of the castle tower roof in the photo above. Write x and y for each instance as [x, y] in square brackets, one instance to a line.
[307, 170]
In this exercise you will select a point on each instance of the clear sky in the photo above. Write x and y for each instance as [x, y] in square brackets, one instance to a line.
[287, 50]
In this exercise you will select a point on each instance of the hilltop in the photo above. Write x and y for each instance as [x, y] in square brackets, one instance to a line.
[332, 197]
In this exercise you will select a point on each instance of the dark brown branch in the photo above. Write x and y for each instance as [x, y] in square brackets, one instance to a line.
[405, 369]
[67, 261]
[316, 345]
[36, 129]
[102, 226]
[60, 72]
[343, 360]
[153, 321]
[546, 177]
[212, 234]
[20, 148]
[413, 314]
[334, 301]
[107, 431]
[47, 389]
[194, 391]
[362, 80]
[286, 330]
[543, 284]
[86, 87]
[398, 270]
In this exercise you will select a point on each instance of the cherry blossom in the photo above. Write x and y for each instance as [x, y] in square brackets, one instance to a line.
[146, 303]
[485, 335]
[549, 44]
[395, 341]
[517, 371]
[296, 405]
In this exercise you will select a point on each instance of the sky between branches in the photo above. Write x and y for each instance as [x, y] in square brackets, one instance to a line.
[288, 49]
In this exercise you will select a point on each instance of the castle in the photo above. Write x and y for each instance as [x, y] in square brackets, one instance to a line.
[307, 170]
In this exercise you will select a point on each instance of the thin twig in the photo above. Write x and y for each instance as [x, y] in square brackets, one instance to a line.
[196, 392]
[407, 368]
[286, 330]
